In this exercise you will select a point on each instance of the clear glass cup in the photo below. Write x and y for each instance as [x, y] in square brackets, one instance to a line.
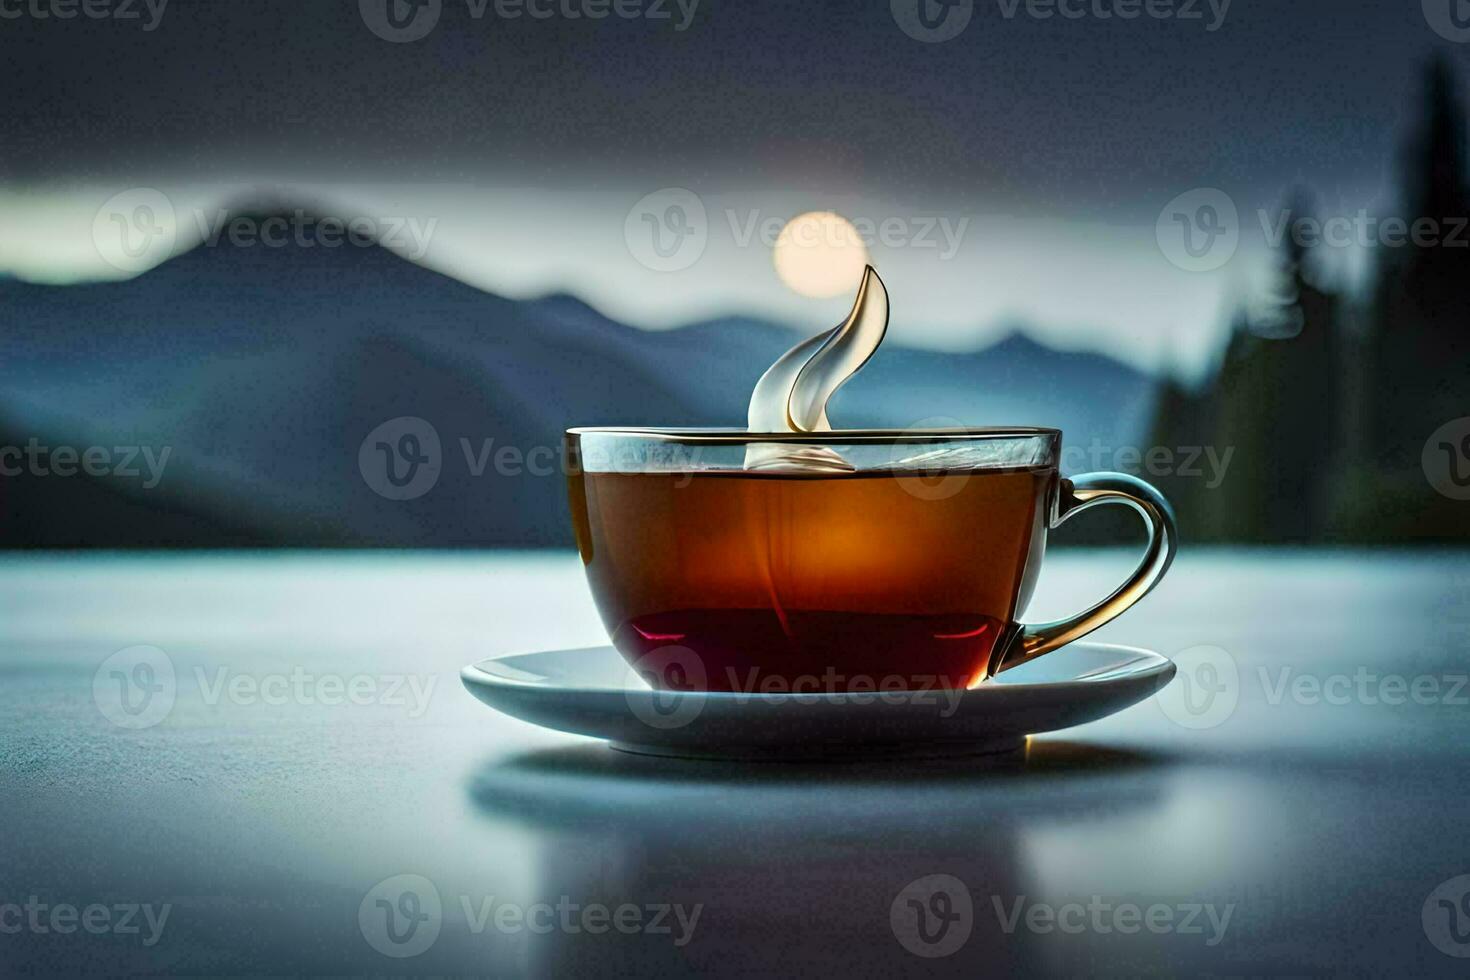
[904, 557]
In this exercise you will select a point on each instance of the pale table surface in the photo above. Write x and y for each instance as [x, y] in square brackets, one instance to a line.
[263, 812]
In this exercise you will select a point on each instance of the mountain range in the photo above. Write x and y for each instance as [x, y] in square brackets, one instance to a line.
[261, 370]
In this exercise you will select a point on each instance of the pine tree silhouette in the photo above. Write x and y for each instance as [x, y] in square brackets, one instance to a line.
[1274, 405]
[1419, 339]
[1328, 423]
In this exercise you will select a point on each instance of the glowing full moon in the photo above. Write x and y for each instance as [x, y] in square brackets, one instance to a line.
[820, 253]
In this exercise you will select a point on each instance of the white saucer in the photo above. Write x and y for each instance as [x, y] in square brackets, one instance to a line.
[594, 692]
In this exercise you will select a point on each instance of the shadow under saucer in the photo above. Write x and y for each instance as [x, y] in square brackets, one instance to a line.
[762, 847]
[1036, 758]
[589, 786]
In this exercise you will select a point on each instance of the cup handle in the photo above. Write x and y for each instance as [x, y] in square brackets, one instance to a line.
[1081, 493]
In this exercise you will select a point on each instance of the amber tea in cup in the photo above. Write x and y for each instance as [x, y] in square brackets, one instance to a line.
[910, 568]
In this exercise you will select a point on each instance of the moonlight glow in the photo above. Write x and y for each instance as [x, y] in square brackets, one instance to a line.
[820, 254]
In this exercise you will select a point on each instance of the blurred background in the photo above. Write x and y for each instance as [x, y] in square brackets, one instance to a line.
[339, 274]
[335, 275]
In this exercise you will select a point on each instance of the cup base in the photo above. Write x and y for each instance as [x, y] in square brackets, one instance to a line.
[999, 748]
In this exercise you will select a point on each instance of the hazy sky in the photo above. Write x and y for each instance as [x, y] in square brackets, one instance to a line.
[1022, 169]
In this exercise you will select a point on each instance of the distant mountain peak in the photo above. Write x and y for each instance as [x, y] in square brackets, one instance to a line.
[263, 368]
[284, 222]
[1018, 341]
[265, 203]
[563, 303]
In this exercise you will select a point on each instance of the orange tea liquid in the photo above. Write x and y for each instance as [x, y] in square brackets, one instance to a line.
[782, 582]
